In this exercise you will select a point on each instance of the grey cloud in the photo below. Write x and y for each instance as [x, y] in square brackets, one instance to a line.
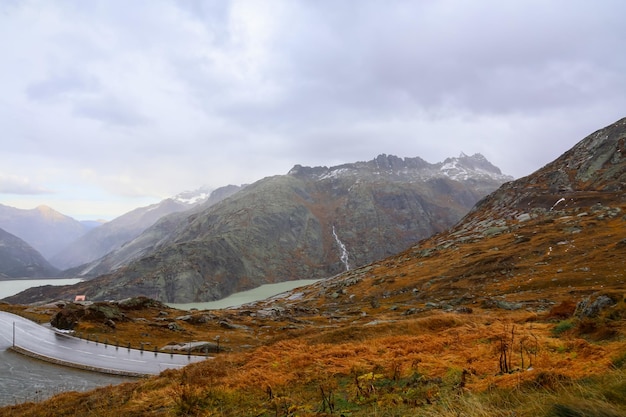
[337, 62]
[452, 53]
[219, 92]
[62, 85]
[110, 111]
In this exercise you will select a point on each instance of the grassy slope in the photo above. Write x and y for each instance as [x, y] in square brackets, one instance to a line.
[422, 333]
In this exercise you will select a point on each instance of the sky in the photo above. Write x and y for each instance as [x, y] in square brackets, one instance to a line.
[109, 105]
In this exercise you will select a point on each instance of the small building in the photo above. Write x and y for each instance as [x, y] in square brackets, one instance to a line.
[79, 298]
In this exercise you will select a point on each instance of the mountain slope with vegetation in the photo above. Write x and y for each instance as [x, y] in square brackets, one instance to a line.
[520, 309]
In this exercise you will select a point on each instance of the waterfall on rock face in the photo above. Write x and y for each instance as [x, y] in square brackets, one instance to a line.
[344, 252]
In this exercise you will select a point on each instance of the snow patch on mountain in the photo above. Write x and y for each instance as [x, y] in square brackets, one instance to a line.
[193, 197]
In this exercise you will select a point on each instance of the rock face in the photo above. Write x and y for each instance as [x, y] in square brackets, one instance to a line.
[593, 170]
[311, 223]
[19, 260]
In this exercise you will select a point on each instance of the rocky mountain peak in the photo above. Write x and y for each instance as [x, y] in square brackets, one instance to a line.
[597, 162]
[206, 194]
[590, 173]
[476, 166]
[463, 168]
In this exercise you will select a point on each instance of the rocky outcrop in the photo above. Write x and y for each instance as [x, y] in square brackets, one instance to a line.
[102, 312]
[594, 165]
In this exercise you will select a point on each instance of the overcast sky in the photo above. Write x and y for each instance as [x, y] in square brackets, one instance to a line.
[111, 105]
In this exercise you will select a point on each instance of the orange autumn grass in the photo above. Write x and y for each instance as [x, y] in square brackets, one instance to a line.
[376, 348]
[438, 350]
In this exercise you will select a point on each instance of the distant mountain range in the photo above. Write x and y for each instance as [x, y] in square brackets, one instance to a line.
[66, 243]
[103, 239]
[313, 222]
[43, 228]
[19, 260]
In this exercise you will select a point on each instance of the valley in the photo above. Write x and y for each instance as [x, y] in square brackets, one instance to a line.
[519, 309]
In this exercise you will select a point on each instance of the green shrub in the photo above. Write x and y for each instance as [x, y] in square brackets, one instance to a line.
[562, 327]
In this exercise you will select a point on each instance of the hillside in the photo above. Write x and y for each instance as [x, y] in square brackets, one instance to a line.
[520, 309]
[112, 235]
[313, 222]
[19, 260]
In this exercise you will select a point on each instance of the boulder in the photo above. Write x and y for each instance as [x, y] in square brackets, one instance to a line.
[228, 325]
[588, 309]
[104, 311]
[175, 327]
[66, 319]
[200, 346]
[140, 303]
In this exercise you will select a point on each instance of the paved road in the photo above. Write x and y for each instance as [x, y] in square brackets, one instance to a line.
[64, 349]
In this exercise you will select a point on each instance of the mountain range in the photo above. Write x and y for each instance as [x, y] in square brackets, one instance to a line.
[43, 228]
[313, 222]
[517, 309]
[112, 235]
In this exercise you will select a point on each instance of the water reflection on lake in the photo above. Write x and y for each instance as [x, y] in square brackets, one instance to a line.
[245, 297]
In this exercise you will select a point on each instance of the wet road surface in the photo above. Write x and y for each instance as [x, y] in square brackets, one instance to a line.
[43, 341]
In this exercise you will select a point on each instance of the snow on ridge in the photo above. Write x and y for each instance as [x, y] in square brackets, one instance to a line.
[453, 170]
[463, 168]
[334, 173]
[192, 199]
[450, 169]
[193, 196]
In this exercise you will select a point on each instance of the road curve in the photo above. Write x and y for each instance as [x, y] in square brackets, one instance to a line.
[44, 343]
